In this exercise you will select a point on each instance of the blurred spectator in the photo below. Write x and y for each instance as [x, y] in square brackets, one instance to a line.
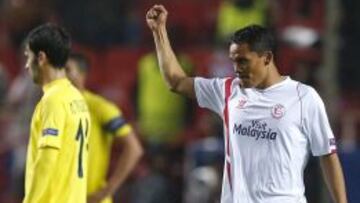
[162, 119]
[163, 105]
[299, 26]
[204, 160]
[203, 182]
[349, 55]
[99, 23]
[220, 65]
[22, 15]
[3, 84]
[348, 75]
[306, 72]
[4, 158]
[19, 105]
[235, 14]
[351, 166]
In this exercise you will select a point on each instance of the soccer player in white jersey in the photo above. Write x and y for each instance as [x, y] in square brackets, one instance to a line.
[272, 123]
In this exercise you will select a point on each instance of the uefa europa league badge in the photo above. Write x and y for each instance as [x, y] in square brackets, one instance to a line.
[278, 111]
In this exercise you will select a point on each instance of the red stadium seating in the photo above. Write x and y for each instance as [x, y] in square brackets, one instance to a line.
[194, 19]
[10, 60]
[307, 13]
[120, 72]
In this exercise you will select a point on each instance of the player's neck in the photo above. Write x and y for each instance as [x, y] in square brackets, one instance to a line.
[52, 74]
[81, 88]
[273, 77]
[81, 84]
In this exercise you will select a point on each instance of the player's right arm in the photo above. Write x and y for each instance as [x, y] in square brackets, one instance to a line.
[48, 149]
[43, 169]
[175, 77]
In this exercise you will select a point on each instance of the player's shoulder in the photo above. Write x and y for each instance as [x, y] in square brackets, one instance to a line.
[97, 100]
[64, 87]
[307, 93]
[302, 89]
[54, 96]
[216, 85]
[215, 81]
[61, 94]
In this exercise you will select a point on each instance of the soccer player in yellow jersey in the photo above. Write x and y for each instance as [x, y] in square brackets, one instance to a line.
[56, 168]
[107, 125]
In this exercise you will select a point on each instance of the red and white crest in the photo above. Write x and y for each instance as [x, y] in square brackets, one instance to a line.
[278, 111]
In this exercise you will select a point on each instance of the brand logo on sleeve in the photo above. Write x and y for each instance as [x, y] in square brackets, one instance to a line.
[241, 103]
[278, 111]
[50, 131]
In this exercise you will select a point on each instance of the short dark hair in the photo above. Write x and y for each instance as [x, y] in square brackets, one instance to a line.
[259, 38]
[51, 39]
[81, 60]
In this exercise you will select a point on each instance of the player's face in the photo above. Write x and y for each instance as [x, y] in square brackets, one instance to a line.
[32, 66]
[249, 66]
[73, 72]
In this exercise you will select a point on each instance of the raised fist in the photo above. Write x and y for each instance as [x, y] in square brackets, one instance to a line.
[156, 17]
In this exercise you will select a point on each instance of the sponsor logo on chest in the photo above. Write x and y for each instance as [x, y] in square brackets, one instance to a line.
[255, 129]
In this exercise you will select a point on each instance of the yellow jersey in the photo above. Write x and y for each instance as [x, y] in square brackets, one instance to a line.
[60, 123]
[107, 122]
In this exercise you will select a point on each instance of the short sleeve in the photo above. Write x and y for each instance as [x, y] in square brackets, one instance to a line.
[112, 119]
[210, 93]
[317, 125]
[53, 116]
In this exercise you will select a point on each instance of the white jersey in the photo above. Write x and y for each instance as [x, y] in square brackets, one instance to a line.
[269, 135]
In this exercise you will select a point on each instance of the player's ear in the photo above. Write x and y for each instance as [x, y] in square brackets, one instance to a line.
[41, 58]
[268, 57]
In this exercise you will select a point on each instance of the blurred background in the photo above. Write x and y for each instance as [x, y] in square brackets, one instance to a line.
[317, 43]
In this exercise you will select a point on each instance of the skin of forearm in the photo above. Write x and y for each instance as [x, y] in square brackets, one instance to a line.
[169, 65]
[126, 163]
[334, 177]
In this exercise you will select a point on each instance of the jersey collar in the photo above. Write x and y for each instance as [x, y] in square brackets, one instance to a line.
[54, 83]
[285, 80]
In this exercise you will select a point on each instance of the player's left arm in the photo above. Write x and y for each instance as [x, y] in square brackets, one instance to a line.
[44, 166]
[316, 125]
[116, 125]
[131, 153]
[334, 177]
